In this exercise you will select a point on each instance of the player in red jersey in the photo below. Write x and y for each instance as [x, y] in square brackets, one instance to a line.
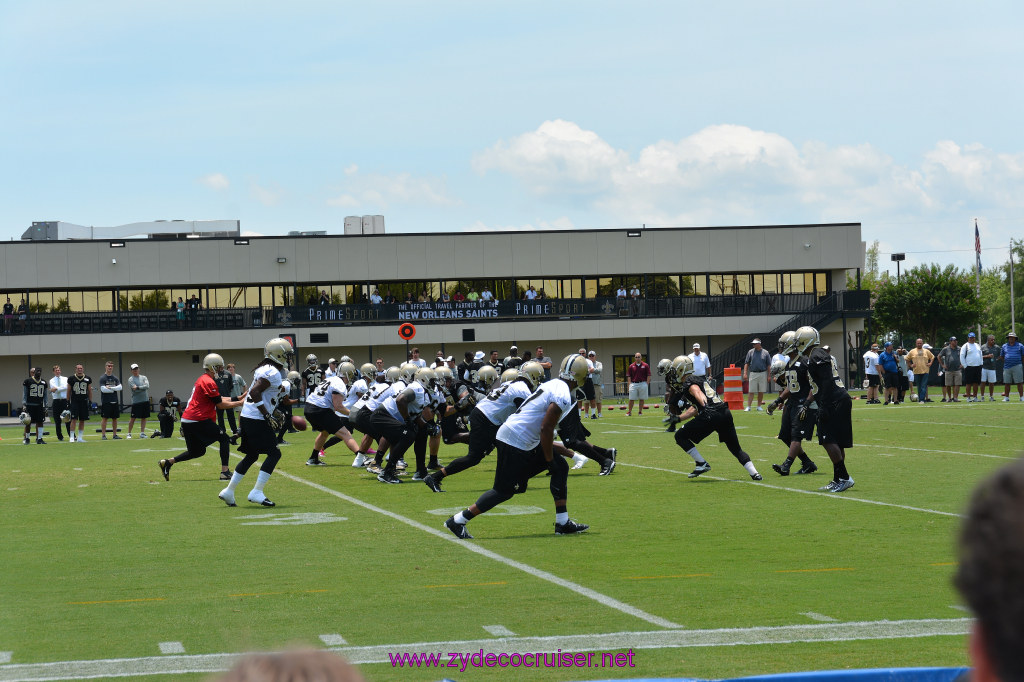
[199, 420]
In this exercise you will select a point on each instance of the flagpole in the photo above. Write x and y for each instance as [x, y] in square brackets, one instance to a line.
[977, 270]
[1013, 317]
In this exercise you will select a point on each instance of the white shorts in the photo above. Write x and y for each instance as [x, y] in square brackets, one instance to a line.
[638, 391]
[758, 382]
[988, 376]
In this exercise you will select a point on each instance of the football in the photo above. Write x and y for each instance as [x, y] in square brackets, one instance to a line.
[299, 423]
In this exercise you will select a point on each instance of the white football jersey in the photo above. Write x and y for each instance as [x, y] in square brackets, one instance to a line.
[420, 400]
[500, 402]
[522, 428]
[323, 394]
[270, 396]
[356, 391]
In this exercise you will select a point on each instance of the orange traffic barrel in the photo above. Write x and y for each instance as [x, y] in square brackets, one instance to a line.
[733, 393]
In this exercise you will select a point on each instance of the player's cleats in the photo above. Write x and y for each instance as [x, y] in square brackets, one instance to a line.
[165, 469]
[420, 475]
[570, 527]
[756, 477]
[225, 475]
[609, 464]
[373, 468]
[842, 484]
[434, 464]
[142, 435]
[578, 461]
[117, 437]
[388, 477]
[432, 483]
[808, 468]
[257, 497]
[457, 529]
[782, 469]
[401, 465]
[358, 462]
[698, 470]
[40, 441]
[314, 462]
[128, 436]
[228, 496]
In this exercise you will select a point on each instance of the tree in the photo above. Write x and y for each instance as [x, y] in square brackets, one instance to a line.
[869, 276]
[158, 299]
[929, 301]
[995, 293]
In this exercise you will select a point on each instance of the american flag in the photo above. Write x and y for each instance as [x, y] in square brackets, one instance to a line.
[977, 245]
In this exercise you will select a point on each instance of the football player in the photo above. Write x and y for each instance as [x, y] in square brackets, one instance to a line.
[363, 410]
[328, 414]
[290, 391]
[260, 421]
[170, 408]
[525, 445]
[80, 390]
[835, 424]
[800, 414]
[198, 425]
[400, 417]
[33, 398]
[574, 434]
[311, 376]
[710, 415]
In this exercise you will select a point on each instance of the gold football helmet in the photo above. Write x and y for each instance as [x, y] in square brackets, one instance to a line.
[574, 368]
[682, 367]
[425, 377]
[407, 372]
[345, 358]
[807, 338]
[279, 350]
[445, 376]
[368, 370]
[392, 374]
[787, 342]
[664, 365]
[509, 375]
[213, 362]
[487, 376]
[311, 360]
[533, 372]
[294, 377]
[347, 371]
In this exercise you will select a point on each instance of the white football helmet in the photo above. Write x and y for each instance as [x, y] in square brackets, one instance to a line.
[682, 367]
[574, 368]
[347, 371]
[425, 377]
[509, 375]
[368, 370]
[279, 350]
[311, 360]
[787, 342]
[778, 369]
[807, 338]
[407, 372]
[213, 362]
[65, 416]
[664, 365]
[294, 377]
[345, 358]
[392, 374]
[533, 372]
[487, 376]
[25, 418]
[445, 376]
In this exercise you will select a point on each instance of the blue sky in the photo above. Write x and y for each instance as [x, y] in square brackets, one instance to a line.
[456, 116]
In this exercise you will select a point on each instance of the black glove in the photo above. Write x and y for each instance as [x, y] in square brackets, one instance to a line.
[433, 428]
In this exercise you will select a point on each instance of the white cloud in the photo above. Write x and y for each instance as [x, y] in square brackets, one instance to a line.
[375, 192]
[562, 223]
[731, 174]
[268, 195]
[216, 181]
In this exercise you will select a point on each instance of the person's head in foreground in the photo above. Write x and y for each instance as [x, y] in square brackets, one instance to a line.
[991, 575]
[306, 665]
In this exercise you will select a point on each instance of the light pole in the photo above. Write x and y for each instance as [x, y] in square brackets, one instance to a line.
[897, 257]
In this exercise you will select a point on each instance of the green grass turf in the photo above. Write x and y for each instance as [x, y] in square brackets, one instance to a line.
[104, 559]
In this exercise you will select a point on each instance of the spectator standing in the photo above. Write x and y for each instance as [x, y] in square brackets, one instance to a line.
[544, 361]
[110, 401]
[991, 356]
[889, 373]
[971, 360]
[871, 374]
[58, 401]
[755, 373]
[389, 298]
[375, 300]
[949, 360]
[530, 294]
[639, 383]
[179, 312]
[8, 315]
[634, 299]
[138, 384]
[904, 385]
[513, 361]
[587, 387]
[416, 359]
[920, 359]
[701, 363]
[1013, 370]
[595, 376]
[22, 316]
[472, 295]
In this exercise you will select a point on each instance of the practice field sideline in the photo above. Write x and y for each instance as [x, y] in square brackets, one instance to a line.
[111, 566]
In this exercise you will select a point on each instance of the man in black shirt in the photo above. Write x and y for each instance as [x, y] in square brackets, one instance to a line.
[80, 397]
[34, 399]
[710, 415]
[800, 414]
[225, 381]
[110, 401]
[8, 315]
[835, 424]
[170, 411]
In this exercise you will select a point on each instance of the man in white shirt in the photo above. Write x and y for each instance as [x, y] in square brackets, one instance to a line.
[486, 295]
[970, 358]
[701, 362]
[59, 398]
[525, 443]
[871, 374]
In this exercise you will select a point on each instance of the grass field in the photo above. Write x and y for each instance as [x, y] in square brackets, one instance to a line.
[109, 571]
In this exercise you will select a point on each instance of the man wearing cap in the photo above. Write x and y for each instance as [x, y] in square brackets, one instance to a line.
[332, 368]
[701, 363]
[513, 360]
[598, 381]
[755, 373]
[970, 358]
[138, 384]
[639, 383]
[889, 373]
[871, 374]
[949, 360]
[170, 409]
[920, 359]
[1013, 370]
[991, 356]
